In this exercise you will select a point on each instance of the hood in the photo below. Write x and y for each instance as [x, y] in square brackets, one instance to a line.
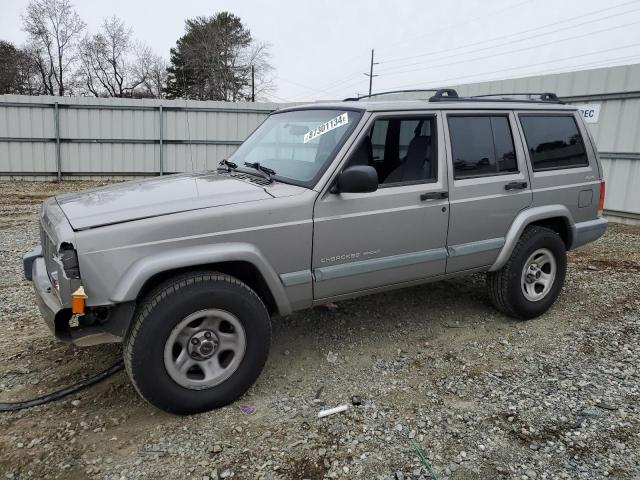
[157, 196]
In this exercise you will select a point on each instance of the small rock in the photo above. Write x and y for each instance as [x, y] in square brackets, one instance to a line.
[332, 307]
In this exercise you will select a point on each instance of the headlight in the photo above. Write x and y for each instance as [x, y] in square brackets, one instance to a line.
[69, 259]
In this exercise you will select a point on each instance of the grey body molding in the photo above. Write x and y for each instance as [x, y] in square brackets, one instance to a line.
[143, 269]
[524, 218]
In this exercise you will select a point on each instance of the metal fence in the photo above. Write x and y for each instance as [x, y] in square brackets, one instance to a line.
[61, 137]
[54, 137]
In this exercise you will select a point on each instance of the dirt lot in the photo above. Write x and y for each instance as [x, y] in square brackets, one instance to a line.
[483, 396]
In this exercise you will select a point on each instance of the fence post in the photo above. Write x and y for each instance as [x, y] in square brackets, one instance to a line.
[161, 142]
[56, 119]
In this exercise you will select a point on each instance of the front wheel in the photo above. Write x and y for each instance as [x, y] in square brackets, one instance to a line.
[198, 342]
[532, 279]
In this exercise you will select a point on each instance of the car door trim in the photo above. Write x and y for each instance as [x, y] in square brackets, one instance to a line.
[296, 278]
[380, 263]
[475, 247]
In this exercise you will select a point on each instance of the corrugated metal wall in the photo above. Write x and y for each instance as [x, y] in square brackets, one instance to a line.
[123, 137]
[51, 136]
[617, 132]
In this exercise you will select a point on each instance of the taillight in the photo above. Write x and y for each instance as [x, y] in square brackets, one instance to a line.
[601, 201]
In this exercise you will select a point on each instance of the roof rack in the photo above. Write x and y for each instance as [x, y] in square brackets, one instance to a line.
[450, 95]
[511, 97]
[389, 92]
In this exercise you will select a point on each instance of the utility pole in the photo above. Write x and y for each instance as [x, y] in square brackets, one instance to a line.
[370, 74]
[253, 84]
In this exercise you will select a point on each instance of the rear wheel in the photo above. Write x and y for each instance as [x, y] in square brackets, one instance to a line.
[198, 342]
[532, 278]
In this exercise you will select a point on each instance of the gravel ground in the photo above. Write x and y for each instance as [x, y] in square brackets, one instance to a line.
[481, 395]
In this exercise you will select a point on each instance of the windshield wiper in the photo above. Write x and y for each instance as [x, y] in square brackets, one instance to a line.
[226, 163]
[268, 172]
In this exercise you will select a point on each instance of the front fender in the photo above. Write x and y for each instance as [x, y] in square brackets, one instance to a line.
[131, 282]
[525, 218]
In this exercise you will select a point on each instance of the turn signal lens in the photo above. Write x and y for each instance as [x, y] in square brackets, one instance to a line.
[77, 301]
[601, 202]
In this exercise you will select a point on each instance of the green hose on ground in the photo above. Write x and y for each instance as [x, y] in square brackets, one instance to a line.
[426, 463]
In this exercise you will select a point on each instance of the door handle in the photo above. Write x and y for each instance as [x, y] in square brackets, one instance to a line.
[434, 195]
[515, 186]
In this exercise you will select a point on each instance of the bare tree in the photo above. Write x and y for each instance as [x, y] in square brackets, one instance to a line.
[53, 27]
[113, 65]
[258, 57]
[152, 70]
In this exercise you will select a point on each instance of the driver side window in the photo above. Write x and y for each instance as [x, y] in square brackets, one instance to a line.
[402, 150]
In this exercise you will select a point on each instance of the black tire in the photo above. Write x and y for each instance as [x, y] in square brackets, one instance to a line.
[162, 309]
[504, 286]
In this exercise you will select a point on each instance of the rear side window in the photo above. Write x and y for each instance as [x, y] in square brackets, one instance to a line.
[481, 145]
[554, 142]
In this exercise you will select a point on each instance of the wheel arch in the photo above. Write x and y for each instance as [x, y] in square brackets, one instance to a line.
[242, 261]
[556, 217]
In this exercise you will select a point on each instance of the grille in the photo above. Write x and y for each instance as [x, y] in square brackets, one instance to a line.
[48, 251]
[246, 177]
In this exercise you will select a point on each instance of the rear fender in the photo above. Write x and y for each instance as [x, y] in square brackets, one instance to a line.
[526, 218]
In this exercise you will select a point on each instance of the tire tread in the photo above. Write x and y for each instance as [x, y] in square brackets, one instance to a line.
[155, 296]
[498, 281]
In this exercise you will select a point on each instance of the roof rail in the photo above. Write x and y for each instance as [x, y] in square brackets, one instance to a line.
[389, 92]
[450, 95]
[443, 95]
[510, 97]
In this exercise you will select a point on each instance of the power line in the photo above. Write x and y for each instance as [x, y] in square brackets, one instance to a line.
[332, 85]
[299, 85]
[446, 28]
[553, 42]
[444, 81]
[350, 80]
[449, 50]
[516, 51]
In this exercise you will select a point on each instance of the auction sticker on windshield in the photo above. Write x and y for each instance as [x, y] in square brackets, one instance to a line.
[332, 124]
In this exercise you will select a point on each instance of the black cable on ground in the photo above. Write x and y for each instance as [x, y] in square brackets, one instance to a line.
[57, 395]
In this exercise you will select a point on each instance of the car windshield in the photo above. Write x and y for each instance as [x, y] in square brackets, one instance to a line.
[297, 145]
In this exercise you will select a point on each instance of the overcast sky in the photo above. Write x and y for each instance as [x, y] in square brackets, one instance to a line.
[320, 49]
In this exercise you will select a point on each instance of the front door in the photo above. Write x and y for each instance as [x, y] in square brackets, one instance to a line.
[363, 241]
[489, 185]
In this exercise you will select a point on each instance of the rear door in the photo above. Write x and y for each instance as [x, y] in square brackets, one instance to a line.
[488, 184]
[564, 169]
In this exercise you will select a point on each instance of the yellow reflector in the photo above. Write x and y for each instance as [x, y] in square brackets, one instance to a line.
[77, 301]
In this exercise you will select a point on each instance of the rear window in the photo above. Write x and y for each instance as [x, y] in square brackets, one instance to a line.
[554, 142]
[481, 145]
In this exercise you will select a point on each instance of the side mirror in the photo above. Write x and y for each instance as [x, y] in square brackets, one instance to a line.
[357, 179]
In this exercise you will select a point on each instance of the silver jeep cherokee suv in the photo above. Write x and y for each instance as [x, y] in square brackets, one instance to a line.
[321, 203]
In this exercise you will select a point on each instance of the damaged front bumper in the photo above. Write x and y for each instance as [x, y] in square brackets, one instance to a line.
[101, 325]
